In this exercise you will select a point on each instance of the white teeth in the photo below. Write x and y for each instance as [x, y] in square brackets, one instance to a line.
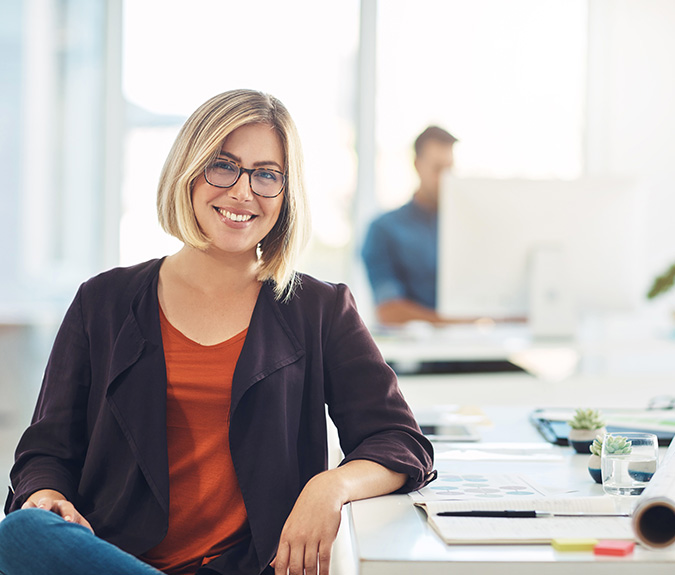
[234, 217]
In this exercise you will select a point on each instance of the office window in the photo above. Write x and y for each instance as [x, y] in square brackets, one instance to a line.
[61, 82]
[506, 78]
[301, 51]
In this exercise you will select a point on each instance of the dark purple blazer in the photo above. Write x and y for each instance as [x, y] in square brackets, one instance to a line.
[99, 430]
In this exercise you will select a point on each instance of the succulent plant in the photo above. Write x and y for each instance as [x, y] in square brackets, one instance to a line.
[586, 419]
[617, 445]
[596, 446]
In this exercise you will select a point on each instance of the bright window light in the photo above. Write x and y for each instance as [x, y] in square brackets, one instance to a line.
[507, 78]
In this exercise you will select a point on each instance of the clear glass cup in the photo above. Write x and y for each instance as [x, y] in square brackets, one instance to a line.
[628, 471]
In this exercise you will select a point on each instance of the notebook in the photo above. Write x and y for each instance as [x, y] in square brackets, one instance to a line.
[521, 531]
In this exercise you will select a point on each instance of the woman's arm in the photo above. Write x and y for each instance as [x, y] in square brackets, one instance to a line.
[374, 421]
[51, 451]
[54, 501]
[311, 528]
[384, 448]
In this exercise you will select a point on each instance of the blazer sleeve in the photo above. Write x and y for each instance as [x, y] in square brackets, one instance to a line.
[373, 420]
[51, 451]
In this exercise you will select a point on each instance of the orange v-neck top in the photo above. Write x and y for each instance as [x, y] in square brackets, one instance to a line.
[206, 508]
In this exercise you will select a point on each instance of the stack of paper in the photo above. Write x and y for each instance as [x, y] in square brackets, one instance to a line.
[494, 530]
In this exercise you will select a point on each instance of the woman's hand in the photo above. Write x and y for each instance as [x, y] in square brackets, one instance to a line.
[307, 537]
[309, 532]
[55, 502]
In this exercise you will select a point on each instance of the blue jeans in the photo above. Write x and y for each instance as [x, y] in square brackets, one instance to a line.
[36, 542]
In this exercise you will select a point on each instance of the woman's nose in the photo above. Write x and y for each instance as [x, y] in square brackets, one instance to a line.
[241, 190]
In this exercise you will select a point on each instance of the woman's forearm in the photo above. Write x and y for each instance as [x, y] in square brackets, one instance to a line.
[360, 479]
[310, 530]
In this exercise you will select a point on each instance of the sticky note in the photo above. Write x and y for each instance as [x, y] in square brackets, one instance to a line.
[574, 544]
[612, 547]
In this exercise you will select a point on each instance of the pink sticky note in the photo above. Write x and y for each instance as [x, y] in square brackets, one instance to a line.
[612, 547]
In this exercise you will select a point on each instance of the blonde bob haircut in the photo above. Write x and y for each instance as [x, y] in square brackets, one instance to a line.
[198, 144]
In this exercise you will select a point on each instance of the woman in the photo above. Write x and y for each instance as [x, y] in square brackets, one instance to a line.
[182, 414]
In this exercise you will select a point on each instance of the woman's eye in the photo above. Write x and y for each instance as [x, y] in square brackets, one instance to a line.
[224, 166]
[268, 175]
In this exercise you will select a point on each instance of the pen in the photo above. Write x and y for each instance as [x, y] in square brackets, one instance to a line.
[530, 514]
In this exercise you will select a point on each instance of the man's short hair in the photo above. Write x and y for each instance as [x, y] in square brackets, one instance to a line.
[433, 133]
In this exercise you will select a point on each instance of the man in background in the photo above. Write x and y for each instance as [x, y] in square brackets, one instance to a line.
[401, 247]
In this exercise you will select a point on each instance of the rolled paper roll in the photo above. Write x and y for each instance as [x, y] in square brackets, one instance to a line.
[654, 515]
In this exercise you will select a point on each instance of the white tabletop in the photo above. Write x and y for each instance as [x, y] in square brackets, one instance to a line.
[626, 349]
[391, 536]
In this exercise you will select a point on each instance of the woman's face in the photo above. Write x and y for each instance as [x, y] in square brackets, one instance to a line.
[235, 219]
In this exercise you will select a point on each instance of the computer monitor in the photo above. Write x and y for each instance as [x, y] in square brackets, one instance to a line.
[549, 250]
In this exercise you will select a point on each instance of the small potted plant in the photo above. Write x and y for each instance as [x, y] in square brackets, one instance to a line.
[586, 425]
[594, 460]
[616, 444]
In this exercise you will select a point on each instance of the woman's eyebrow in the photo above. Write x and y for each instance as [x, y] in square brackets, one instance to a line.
[255, 164]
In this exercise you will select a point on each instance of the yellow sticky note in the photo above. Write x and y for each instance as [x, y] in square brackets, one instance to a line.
[574, 544]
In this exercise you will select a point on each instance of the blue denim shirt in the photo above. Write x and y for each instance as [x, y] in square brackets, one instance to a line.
[400, 253]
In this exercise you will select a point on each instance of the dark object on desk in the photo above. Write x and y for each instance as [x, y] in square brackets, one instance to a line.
[525, 514]
[510, 514]
[458, 367]
[555, 429]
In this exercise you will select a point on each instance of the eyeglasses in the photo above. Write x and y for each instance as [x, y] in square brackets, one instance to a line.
[264, 182]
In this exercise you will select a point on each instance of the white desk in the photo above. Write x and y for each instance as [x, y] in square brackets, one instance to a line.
[392, 537]
[599, 349]
[521, 389]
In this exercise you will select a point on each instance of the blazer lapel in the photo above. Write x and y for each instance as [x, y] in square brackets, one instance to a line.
[136, 389]
[137, 384]
[270, 345]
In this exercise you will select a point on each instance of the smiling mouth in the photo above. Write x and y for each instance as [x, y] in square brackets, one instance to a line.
[234, 217]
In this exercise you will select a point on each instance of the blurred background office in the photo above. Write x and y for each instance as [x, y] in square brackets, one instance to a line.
[93, 92]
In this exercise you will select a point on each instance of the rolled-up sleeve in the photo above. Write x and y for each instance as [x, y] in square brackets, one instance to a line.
[372, 417]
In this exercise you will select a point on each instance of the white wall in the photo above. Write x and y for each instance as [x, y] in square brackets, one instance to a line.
[631, 111]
